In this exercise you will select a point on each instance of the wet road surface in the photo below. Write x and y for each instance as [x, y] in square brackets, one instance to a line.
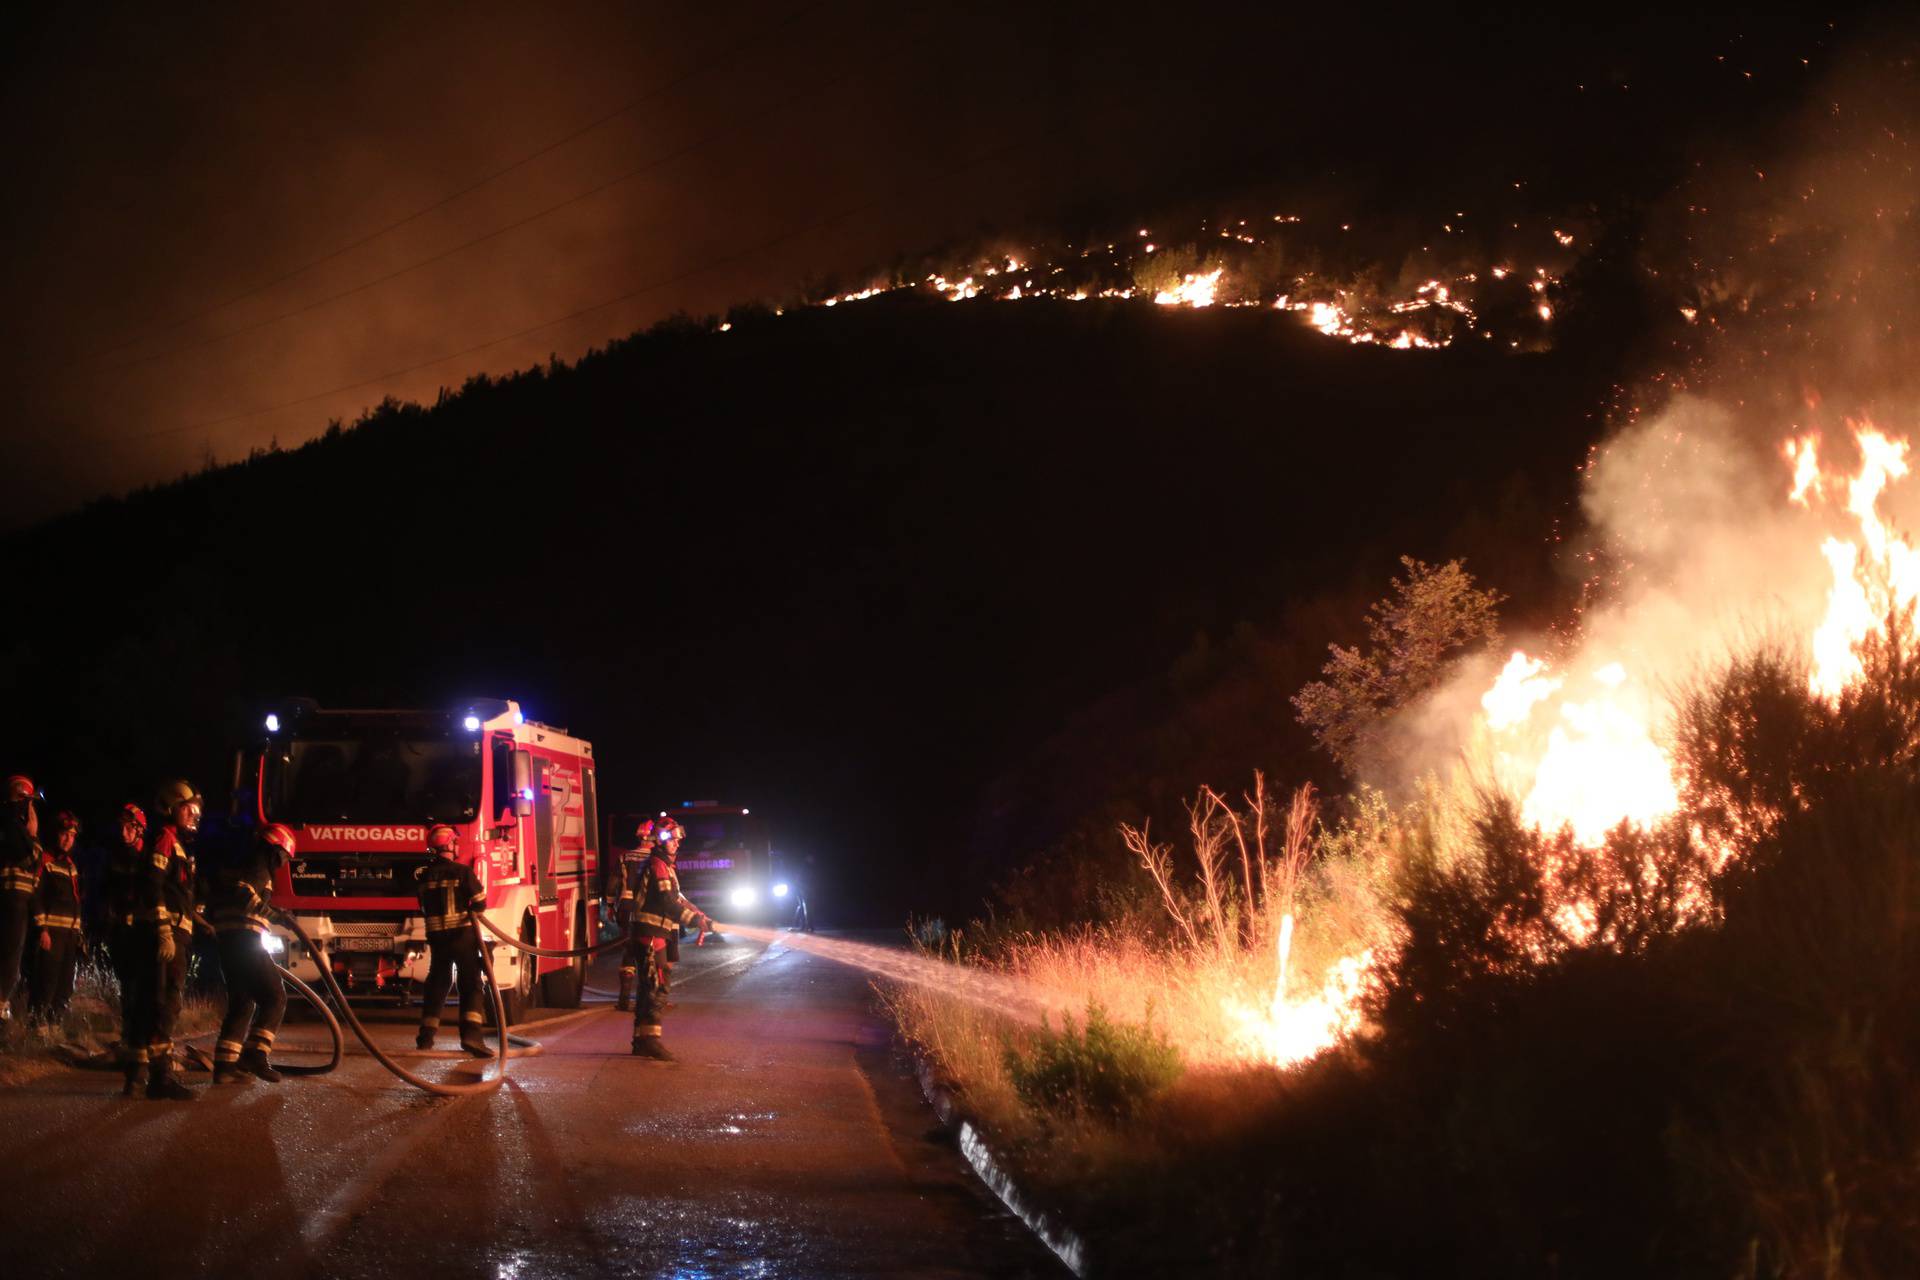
[788, 1140]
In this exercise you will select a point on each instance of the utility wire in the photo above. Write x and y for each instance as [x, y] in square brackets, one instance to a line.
[812, 89]
[154, 328]
[702, 268]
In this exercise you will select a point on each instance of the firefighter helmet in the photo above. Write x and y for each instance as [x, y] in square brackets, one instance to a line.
[441, 838]
[20, 787]
[174, 794]
[134, 814]
[669, 832]
[65, 821]
[282, 837]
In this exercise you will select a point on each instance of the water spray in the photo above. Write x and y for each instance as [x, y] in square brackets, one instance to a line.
[998, 993]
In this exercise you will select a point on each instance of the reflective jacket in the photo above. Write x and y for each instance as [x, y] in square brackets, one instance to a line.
[20, 858]
[662, 910]
[237, 895]
[56, 902]
[125, 871]
[627, 884]
[449, 895]
[165, 890]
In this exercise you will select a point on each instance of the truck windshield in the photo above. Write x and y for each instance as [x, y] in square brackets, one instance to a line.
[381, 778]
[712, 832]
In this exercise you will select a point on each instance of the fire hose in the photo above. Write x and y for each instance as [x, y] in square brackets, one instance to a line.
[551, 953]
[313, 998]
[419, 1082]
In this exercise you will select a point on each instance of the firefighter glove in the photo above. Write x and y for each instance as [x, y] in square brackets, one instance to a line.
[166, 945]
[46, 940]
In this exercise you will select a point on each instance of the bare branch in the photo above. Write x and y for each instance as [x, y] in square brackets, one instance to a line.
[1157, 859]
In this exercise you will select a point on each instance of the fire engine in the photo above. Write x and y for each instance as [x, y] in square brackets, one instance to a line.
[726, 860]
[360, 789]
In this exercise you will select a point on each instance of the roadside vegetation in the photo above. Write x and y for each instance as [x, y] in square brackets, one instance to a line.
[30, 1050]
[1716, 1071]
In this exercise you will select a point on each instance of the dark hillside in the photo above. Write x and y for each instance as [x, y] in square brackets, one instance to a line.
[843, 565]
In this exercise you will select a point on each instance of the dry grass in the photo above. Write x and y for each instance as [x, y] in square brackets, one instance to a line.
[1203, 970]
[92, 1022]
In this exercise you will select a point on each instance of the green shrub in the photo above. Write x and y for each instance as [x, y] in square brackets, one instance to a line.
[1105, 1069]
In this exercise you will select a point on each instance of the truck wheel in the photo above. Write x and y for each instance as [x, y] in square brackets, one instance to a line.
[520, 1000]
[561, 989]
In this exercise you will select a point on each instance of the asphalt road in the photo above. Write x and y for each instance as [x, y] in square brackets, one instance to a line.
[788, 1140]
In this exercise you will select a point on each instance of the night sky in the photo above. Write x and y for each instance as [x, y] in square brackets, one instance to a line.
[230, 226]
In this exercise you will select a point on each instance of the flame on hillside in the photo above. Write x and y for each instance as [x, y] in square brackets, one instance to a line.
[1375, 307]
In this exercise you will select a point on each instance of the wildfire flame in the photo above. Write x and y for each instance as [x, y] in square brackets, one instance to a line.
[1367, 314]
[1285, 1031]
[1594, 759]
[1192, 291]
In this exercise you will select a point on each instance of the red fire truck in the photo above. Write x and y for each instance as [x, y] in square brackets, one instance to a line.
[360, 789]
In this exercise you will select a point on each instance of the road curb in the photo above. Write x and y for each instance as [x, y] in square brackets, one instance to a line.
[1066, 1243]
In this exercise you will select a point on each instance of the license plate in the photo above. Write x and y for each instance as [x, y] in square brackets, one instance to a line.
[364, 944]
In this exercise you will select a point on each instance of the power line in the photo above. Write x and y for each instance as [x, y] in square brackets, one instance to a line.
[812, 89]
[154, 328]
[649, 287]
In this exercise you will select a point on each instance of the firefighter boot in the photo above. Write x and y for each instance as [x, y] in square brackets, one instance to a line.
[254, 1063]
[424, 1040]
[230, 1073]
[474, 1042]
[650, 1047]
[164, 1086]
[135, 1071]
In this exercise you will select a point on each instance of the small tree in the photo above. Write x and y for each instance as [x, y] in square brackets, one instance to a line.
[1433, 615]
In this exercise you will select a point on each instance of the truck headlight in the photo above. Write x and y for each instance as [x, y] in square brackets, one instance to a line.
[274, 943]
[780, 890]
[741, 897]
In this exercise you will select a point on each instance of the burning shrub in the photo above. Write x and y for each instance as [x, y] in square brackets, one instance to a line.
[1102, 1068]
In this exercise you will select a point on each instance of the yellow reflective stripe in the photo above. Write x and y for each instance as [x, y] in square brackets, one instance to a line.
[471, 1017]
[44, 921]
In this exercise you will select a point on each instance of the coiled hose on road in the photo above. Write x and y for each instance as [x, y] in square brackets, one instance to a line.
[435, 1087]
[313, 998]
[527, 1047]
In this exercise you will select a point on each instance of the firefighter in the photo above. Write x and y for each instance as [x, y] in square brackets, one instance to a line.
[630, 878]
[450, 894]
[56, 921]
[256, 995]
[660, 912]
[667, 835]
[19, 877]
[162, 941]
[125, 869]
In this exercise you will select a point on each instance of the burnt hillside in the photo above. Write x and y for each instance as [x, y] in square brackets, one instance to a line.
[846, 566]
